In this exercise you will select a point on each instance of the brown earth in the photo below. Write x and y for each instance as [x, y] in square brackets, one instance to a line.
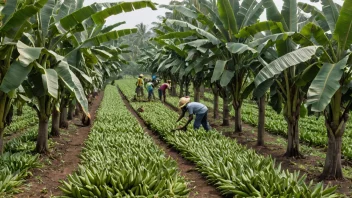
[198, 184]
[62, 160]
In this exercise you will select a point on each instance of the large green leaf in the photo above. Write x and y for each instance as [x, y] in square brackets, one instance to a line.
[316, 14]
[249, 13]
[218, 24]
[239, 48]
[325, 84]
[117, 8]
[226, 77]
[45, 15]
[28, 54]
[174, 35]
[279, 65]
[50, 82]
[275, 27]
[331, 13]
[289, 12]
[227, 16]
[111, 27]
[14, 76]
[106, 37]
[68, 22]
[73, 84]
[343, 31]
[182, 9]
[311, 30]
[273, 14]
[8, 10]
[218, 70]
[202, 32]
[64, 9]
[22, 15]
[261, 89]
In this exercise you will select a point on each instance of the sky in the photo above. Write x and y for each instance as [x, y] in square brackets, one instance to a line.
[147, 16]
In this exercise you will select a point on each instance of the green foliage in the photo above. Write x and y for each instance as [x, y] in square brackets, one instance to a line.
[232, 168]
[121, 160]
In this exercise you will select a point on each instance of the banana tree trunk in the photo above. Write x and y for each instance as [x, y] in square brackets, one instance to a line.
[202, 90]
[2, 129]
[225, 112]
[45, 109]
[293, 139]
[174, 88]
[196, 92]
[6, 112]
[261, 121]
[78, 110]
[19, 110]
[238, 116]
[187, 89]
[42, 140]
[71, 110]
[63, 113]
[55, 130]
[335, 122]
[332, 168]
[216, 104]
[181, 89]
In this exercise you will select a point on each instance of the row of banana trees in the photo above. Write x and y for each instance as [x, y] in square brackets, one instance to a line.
[300, 57]
[54, 53]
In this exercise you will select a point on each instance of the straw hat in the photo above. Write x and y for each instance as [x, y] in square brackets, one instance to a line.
[183, 101]
[141, 75]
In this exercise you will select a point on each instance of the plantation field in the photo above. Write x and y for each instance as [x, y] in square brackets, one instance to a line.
[232, 168]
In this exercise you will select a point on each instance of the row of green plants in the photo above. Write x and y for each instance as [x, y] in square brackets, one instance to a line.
[312, 128]
[17, 161]
[232, 168]
[120, 160]
[20, 122]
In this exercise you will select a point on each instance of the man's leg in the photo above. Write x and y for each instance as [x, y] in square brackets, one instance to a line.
[198, 121]
[160, 94]
[205, 121]
[164, 96]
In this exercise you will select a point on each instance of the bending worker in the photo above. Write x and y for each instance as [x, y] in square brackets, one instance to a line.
[200, 110]
[150, 89]
[162, 90]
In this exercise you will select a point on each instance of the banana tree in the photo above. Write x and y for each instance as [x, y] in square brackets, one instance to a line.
[222, 24]
[330, 91]
[281, 73]
[14, 23]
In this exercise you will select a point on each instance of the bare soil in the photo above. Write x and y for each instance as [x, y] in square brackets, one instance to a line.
[198, 184]
[62, 160]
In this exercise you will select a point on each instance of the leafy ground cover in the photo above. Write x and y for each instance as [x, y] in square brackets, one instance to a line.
[27, 119]
[232, 168]
[120, 160]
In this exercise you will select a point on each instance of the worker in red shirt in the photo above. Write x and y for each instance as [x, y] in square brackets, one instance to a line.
[162, 90]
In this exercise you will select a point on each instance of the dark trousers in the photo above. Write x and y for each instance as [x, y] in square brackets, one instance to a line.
[201, 119]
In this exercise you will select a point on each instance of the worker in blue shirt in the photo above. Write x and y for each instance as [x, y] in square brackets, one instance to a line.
[193, 108]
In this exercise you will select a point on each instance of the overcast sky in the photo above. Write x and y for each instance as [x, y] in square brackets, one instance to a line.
[147, 16]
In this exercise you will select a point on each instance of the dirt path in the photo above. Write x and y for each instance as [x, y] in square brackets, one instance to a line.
[188, 170]
[63, 160]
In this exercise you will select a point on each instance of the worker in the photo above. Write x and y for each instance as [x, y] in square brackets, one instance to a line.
[153, 78]
[162, 90]
[193, 108]
[150, 89]
[139, 86]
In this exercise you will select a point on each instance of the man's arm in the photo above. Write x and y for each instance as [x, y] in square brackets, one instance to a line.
[190, 118]
[181, 116]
